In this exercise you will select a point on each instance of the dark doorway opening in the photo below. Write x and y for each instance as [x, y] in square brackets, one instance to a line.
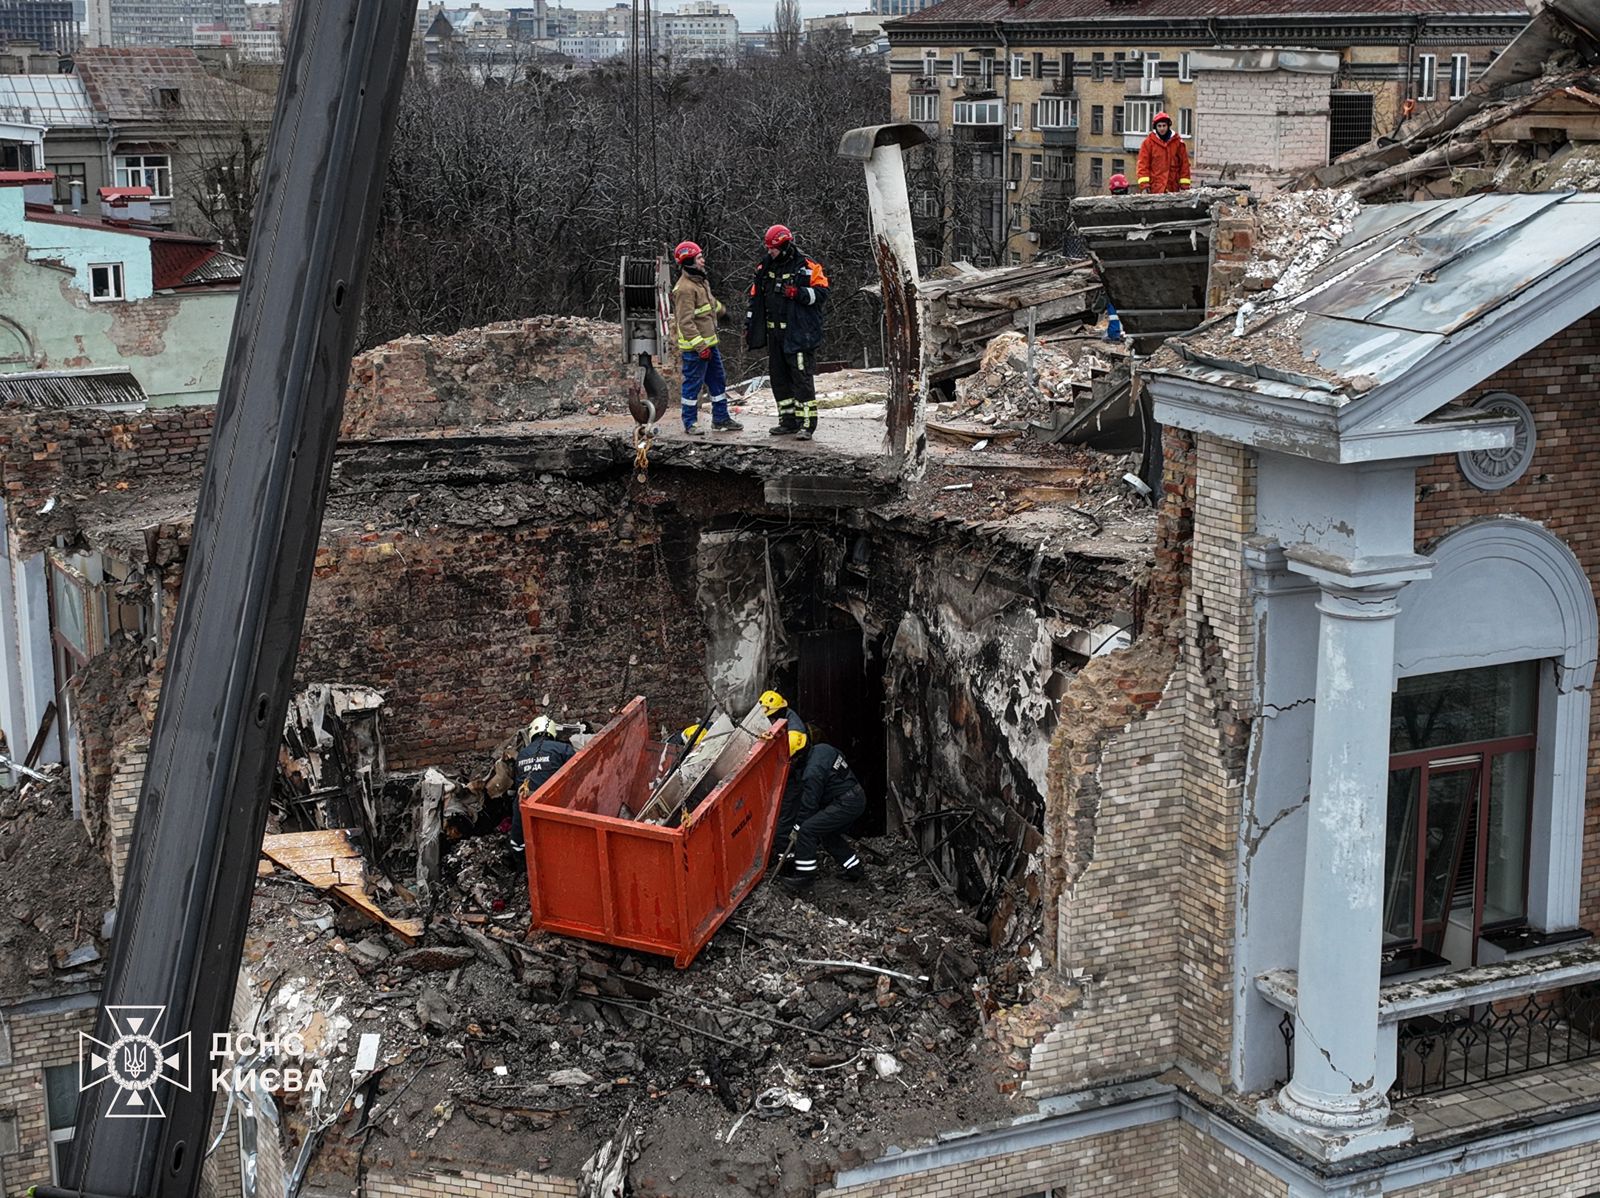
[839, 690]
[1349, 122]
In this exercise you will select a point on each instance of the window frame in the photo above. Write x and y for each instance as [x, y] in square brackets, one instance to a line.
[139, 176]
[1019, 67]
[926, 101]
[997, 106]
[1185, 67]
[1016, 116]
[1186, 123]
[117, 290]
[1149, 108]
[1460, 75]
[1064, 109]
[1097, 120]
[57, 1136]
[1427, 76]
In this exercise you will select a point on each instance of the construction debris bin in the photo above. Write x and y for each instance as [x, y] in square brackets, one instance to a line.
[597, 872]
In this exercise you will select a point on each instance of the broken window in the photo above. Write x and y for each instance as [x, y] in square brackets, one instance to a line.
[1459, 70]
[68, 173]
[1427, 76]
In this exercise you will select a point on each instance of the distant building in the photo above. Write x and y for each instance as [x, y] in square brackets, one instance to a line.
[52, 24]
[701, 29]
[251, 45]
[900, 8]
[128, 23]
[73, 281]
[593, 48]
[860, 27]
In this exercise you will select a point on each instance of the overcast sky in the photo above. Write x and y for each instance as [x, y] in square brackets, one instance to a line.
[752, 14]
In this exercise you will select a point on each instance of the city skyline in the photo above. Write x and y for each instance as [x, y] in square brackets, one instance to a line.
[752, 14]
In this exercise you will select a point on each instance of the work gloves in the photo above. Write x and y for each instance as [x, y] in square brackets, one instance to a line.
[705, 353]
[790, 291]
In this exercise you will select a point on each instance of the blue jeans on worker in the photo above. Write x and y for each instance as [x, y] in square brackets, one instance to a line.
[708, 373]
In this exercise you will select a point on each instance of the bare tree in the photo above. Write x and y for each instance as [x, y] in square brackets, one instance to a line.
[220, 133]
[786, 28]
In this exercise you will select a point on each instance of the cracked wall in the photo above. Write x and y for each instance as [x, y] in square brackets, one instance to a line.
[1145, 800]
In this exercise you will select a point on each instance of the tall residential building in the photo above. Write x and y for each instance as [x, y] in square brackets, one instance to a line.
[129, 23]
[1046, 100]
[51, 23]
[900, 8]
[701, 29]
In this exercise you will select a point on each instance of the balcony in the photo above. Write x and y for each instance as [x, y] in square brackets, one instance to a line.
[1146, 88]
[977, 135]
[1056, 189]
[1062, 87]
[1473, 1026]
[922, 83]
[1060, 138]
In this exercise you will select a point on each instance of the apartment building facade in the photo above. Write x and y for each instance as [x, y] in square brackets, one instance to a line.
[1032, 103]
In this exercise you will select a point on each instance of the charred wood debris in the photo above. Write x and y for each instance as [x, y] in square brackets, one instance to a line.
[822, 1030]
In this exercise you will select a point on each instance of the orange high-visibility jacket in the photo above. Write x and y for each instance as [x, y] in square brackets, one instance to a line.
[1163, 165]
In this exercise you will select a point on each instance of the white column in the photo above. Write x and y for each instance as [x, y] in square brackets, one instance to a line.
[1335, 1104]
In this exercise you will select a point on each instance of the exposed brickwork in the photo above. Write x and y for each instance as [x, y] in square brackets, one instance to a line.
[1561, 490]
[1138, 1163]
[66, 455]
[1574, 1173]
[1263, 121]
[37, 1041]
[1208, 1168]
[469, 1184]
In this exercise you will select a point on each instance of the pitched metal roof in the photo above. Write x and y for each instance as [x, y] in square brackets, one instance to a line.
[1031, 12]
[70, 389]
[1406, 280]
[54, 101]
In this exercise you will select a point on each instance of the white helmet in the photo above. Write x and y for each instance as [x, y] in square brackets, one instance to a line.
[542, 725]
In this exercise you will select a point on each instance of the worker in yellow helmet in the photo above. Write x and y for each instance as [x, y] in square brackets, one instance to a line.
[821, 800]
[547, 750]
[777, 708]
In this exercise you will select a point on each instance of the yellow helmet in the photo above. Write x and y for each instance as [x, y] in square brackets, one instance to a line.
[692, 735]
[542, 725]
[772, 703]
[797, 741]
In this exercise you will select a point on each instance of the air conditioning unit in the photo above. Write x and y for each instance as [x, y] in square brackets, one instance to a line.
[952, 82]
[1033, 237]
[1011, 185]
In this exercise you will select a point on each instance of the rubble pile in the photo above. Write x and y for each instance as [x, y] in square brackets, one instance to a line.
[55, 893]
[1298, 232]
[808, 1034]
[1001, 393]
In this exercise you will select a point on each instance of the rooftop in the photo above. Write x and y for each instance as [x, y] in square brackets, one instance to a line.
[54, 389]
[990, 12]
[55, 101]
[169, 85]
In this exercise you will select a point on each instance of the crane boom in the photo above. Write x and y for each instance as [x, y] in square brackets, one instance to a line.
[186, 900]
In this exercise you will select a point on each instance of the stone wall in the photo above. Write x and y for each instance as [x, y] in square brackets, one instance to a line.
[28, 1045]
[1560, 490]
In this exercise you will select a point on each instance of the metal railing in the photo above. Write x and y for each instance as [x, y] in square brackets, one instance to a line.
[1487, 1042]
[1495, 1040]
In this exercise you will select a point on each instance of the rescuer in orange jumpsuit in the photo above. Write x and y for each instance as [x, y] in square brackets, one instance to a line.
[1163, 158]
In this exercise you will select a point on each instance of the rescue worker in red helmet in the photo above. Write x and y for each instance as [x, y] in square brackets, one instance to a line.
[1118, 184]
[694, 321]
[785, 317]
[1163, 159]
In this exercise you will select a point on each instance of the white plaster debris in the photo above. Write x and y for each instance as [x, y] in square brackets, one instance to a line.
[1299, 231]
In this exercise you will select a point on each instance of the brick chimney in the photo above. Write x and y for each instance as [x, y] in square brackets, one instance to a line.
[124, 204]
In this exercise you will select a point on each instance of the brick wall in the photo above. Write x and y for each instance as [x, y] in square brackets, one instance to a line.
[65, 455]
[36, 1041]
[1137, 1163]
[466, 630]
[1561, 490]
[470, 1184]
[1268, 121]
[1574, 1173]
[515, 370]
[1207, 1168]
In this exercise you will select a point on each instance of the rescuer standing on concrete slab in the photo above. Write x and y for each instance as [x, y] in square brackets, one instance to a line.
[775, 707]
[821, 800]
[1163, 159]
[546, 752]
[694, 317]
[785, 316]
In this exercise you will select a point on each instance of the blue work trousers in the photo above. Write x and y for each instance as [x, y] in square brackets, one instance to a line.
[708, 373]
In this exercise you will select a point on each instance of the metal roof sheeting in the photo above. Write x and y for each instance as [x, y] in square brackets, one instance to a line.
[71, 389]
[54, 101]
[1403, 281]
[1034, 12]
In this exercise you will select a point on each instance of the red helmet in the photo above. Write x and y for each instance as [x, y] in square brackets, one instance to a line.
[687, 251]
[1118, 182]
[778, 235]
[1159, 117]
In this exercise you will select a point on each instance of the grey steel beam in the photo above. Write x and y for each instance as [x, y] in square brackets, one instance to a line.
[183, 910]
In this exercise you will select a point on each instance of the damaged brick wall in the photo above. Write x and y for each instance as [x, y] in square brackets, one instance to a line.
[466, 629]
[516, 370]
[68, 455]
[468, 1183]
[29, 1044]
[1145, 799]
[1560, 490]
